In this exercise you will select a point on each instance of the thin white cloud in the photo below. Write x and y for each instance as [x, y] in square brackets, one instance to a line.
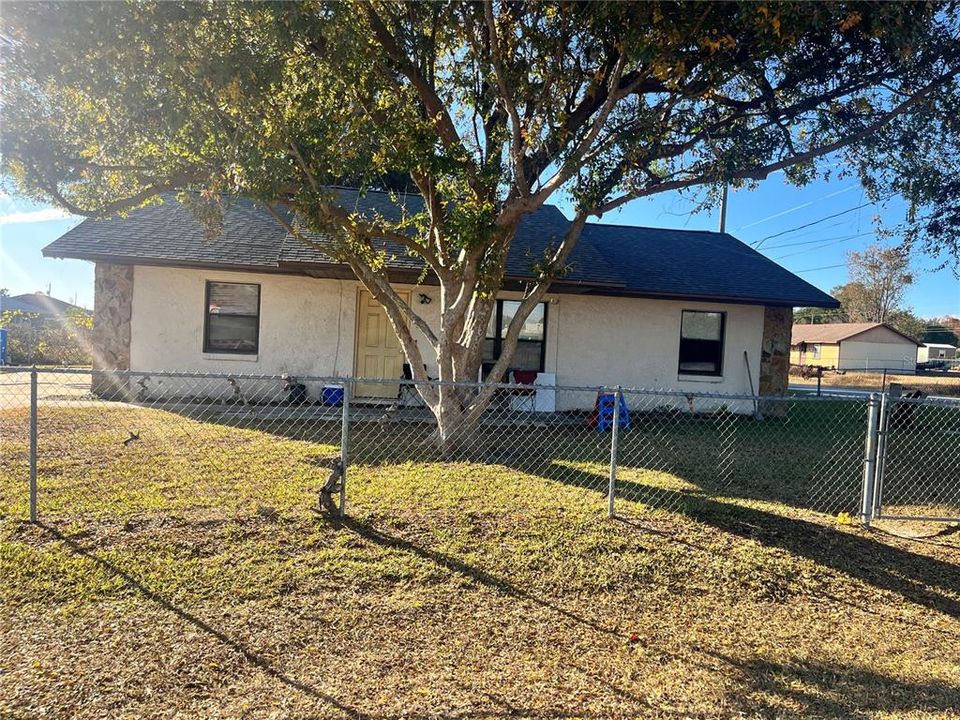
[34, 216]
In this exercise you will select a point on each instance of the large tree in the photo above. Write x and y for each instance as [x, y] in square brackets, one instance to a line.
[488, 109]
[879, 278]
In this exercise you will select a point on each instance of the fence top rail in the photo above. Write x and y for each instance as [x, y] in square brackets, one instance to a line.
[938, 400]
[342, 380]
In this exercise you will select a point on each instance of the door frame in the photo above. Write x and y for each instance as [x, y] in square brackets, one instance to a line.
[358, 310]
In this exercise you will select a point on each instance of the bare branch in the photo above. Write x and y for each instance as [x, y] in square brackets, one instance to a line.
[436, 110]
[513, 211]
[761, 173]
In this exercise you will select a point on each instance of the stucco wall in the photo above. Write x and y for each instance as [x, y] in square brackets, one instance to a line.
[301, 320]
[635, 342]
[590, 340]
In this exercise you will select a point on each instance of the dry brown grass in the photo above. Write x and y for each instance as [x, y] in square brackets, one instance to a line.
[453, 591]
[928, 384]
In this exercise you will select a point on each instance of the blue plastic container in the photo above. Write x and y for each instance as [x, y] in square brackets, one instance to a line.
[332, 395]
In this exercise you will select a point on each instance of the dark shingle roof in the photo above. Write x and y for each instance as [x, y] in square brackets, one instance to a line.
[694, 263]
[613, 259]
[169, 233]
[38, 303]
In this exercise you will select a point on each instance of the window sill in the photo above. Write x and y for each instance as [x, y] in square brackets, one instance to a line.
[239, 357]
[700, 378]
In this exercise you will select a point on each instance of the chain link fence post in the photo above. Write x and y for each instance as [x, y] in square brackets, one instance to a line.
[870, 461]
[882, 424]
[344, 446]
[33, 445]
[612, 488]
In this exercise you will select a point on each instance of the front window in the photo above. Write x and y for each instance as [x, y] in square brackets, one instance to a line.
[232, 319]
[531, 347]
[701, 343]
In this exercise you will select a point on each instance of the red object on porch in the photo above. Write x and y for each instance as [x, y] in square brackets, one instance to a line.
[525, 377]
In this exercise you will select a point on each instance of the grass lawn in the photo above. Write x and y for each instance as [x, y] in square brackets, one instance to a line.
[184, 575]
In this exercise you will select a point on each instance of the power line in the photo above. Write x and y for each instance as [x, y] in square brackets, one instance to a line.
[762, 240]
[836, 241]
[825, 267]
[817, 240]
[801, 206]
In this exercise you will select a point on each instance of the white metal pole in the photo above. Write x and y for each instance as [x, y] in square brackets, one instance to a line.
[344, 446]
[869, 461]
[614, 435]
[33, 445]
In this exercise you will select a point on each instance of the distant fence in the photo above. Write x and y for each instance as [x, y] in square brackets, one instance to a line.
[129, 445]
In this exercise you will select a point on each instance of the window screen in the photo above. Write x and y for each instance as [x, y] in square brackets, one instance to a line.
[233, 318]
[701, 342]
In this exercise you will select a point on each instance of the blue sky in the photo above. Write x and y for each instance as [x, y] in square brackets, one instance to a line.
[816, 253]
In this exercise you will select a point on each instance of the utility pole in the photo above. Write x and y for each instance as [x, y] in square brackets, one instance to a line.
[723, 209]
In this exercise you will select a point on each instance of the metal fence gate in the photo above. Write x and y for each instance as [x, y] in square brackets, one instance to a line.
[908, 429]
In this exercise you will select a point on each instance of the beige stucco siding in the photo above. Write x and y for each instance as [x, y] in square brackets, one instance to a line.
[300, 319]
[590, 340]
[635, 342]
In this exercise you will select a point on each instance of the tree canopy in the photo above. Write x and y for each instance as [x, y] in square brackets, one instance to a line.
[487, 109]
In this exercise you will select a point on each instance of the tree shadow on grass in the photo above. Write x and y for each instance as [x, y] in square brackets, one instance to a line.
[383, 539]
[248, 654]
[470, 572]
[805, 688]
[929, 582]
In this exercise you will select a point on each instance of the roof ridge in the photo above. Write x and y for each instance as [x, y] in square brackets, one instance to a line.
[653, 227]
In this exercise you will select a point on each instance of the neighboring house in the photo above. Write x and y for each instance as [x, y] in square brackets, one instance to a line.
[39, 304]
[40, 329]
[638, 307]
[853, 346]
[936, 351]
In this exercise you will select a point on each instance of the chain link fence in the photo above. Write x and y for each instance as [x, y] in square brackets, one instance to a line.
[80, 447]
[918, 459]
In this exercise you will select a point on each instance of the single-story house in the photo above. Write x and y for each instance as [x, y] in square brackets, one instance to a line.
[40, 304]
[936, 351]
[683, 310]
[853, 346]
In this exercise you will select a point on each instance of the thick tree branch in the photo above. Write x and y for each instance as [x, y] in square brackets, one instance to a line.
[534, 296]
[516, 209]
[118, 206]
[517, 144]
[388, 290]
[436, 110]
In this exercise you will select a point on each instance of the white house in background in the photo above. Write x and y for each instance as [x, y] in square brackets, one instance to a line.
[936, 351]
[657, 308]
[853, 346]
